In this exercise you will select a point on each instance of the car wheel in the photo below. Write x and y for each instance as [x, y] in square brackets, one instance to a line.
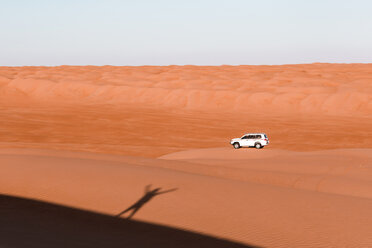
[258, 145]
[236, 145]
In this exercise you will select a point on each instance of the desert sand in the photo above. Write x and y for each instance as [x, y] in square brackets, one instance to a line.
[78, 145]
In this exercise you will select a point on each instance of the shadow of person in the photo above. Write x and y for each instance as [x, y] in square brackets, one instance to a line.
[149, 194]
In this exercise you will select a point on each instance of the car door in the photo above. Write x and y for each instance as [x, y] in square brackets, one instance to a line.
[251, 140]
[257, 138]
[244, 141]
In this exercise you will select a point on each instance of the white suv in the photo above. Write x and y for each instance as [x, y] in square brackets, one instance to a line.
[258, 140]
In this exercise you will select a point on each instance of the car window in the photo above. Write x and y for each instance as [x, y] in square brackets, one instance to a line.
[258, 136]
[250, 136]
[245, 137]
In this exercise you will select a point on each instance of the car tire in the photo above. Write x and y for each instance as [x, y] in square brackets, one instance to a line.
[258, 145]
[236, 145]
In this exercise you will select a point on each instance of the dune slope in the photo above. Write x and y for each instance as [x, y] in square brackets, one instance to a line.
[264, 214]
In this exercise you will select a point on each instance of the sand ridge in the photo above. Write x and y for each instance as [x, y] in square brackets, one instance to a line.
[334, 89]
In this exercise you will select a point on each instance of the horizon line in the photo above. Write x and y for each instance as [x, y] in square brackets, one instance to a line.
[185, 65]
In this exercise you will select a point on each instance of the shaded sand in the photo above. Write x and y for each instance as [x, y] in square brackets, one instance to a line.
[92, 138]
[269, 207]
[29, 223]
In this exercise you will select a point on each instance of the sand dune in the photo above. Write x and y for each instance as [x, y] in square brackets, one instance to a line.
[152, 132]
[335, 89]
[264, 214]
[129, 110]
[91, 138]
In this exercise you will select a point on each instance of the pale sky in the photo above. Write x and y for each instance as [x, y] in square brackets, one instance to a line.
[199, 32]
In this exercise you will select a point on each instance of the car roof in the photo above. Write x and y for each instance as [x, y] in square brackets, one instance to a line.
[254, 133]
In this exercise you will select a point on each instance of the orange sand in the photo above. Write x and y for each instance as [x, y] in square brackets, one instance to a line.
[170, 127]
